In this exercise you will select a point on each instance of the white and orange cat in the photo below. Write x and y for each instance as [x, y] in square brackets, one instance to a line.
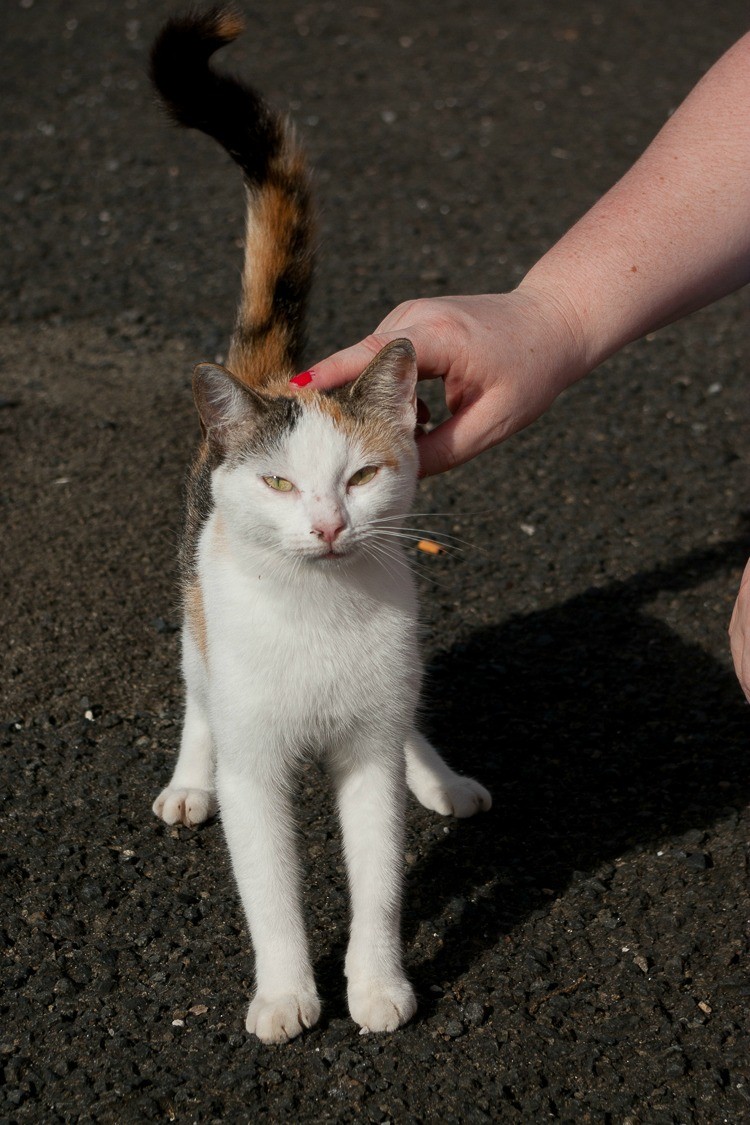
[300, 630]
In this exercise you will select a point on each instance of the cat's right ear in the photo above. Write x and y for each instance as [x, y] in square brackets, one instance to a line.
[224, 403]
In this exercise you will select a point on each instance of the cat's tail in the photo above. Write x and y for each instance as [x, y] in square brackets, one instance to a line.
[268, 335]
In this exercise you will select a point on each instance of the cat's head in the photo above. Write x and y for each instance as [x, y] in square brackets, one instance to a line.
[307, 475]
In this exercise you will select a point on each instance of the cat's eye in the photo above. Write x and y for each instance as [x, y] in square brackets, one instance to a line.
[363, 475]
[279, 484]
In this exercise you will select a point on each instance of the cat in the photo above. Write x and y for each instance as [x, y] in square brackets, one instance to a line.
[300, 615]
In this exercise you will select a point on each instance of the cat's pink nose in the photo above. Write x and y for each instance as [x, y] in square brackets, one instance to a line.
[328, 531]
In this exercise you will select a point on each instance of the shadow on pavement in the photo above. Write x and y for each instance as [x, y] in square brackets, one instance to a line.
[597, 729]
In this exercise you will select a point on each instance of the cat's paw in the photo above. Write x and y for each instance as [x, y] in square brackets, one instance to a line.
[382, 1006]
[457, 796]
[185, 806]
[278, 1019]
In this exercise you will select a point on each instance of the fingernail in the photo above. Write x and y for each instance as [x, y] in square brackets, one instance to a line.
[302, 379]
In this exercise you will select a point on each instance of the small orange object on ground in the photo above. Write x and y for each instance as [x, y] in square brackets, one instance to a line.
[429, 547]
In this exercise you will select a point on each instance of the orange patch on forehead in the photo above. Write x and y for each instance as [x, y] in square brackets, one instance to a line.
[376, 438]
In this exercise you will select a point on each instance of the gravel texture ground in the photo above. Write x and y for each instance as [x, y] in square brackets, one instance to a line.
[580, 952]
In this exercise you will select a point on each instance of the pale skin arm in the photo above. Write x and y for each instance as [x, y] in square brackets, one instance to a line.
[671, 236]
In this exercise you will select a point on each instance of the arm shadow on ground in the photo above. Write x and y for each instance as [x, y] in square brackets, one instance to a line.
[597, 729]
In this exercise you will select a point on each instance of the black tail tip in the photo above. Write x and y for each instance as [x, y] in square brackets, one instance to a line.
[198, 31]
[220, 22]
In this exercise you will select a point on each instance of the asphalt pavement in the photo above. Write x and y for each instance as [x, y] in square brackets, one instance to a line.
[580, 952]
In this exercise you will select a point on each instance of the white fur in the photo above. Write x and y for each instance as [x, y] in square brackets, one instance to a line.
[310, 655]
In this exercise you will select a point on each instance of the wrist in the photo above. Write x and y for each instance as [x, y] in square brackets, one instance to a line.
[562, 336]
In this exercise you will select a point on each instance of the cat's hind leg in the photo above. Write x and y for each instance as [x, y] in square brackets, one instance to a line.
[190, 797]
[437, 786]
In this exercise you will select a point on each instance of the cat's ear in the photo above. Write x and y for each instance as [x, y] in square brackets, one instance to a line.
[388, 385]
[224, 403]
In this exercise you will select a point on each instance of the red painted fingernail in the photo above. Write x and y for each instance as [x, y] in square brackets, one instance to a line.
[302, 379]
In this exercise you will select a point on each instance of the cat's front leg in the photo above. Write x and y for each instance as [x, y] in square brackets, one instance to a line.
[437, 786]
[371, 791]
[189, 798]
[259, 825]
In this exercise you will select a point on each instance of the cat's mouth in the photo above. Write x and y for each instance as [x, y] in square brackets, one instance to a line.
[332, 555]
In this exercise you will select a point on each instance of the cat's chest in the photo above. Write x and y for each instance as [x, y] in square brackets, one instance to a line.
[327, 645]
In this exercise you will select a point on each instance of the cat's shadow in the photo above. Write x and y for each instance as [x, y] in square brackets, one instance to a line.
[597, 729]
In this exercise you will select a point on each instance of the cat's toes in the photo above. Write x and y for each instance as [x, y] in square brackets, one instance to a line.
[185, 806]
[376, 1006]
[461, 796]
[281, 1018]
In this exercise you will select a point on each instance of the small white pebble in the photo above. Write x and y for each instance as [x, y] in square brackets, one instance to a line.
[527, 528]
[178, 1023]
[714, 389]
[89, 715]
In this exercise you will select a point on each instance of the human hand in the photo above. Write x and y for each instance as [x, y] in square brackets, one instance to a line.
[739, 633]
[503, 359]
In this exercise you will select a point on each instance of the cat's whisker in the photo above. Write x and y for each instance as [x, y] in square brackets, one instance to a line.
[416, 567]
[379, 557]
[424, 533]
[427, 533]
[464, 517]
[411, 539]
[452, 515]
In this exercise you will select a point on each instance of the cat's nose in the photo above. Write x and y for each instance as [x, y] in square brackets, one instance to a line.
[328, 531]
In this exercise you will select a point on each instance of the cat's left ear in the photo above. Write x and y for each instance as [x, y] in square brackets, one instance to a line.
[388, 385]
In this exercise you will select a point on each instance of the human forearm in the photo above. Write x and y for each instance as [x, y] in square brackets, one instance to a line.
[672, 235]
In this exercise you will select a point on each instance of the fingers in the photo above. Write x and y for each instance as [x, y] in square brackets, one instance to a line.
[343, 366]
[436, 353]
[739, 633]
[741, 658]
